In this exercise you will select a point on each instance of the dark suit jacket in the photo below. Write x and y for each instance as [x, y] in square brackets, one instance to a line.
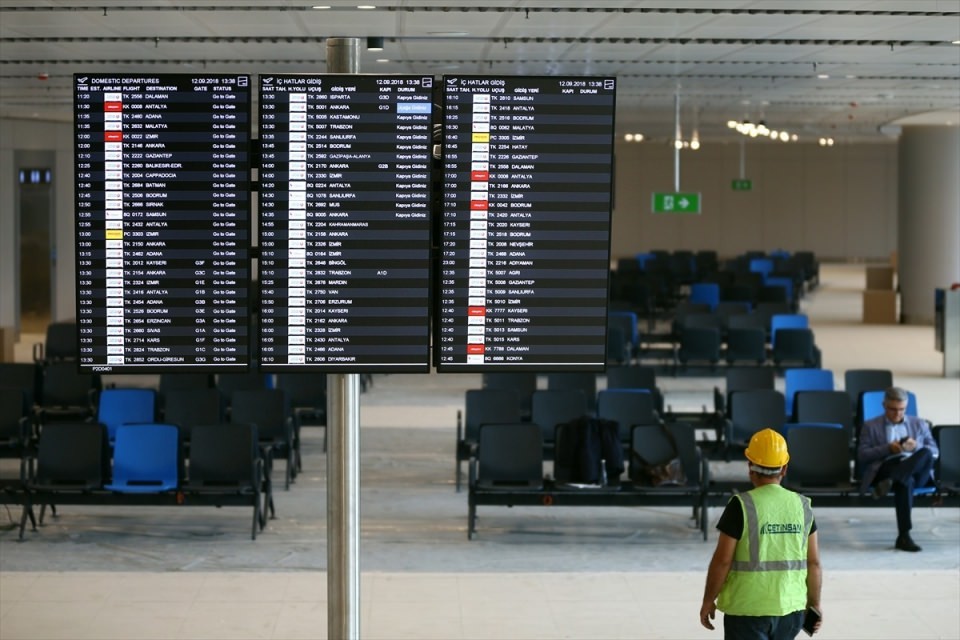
[874, 448]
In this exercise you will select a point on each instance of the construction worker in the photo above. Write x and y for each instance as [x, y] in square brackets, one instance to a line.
[765, 572]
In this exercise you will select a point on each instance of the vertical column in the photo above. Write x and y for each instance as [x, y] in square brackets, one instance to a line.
[343, 457]
[928, 217]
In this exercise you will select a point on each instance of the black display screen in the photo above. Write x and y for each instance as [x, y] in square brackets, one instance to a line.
[524, 264]
[344, 211]
[162, 174]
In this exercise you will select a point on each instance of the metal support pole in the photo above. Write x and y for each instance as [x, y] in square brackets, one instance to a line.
[676, 142]
[343, 506]
[343, 55]
[343, 454]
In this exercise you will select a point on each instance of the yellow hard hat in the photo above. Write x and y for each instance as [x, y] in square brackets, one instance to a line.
[767, 448]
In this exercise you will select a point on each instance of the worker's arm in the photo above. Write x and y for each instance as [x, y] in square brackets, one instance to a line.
[716, 576]
[814, 576]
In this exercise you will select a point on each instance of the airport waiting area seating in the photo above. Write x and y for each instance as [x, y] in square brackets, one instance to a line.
[508, 471]
[72, 466]
[182, 444]
[731, 300]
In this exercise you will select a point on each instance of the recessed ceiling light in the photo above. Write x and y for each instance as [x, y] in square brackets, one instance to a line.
[850, 76]
[383, 59]
[822, 76]
[320, 6]
[955, 42]
[366, 6]
[448, 34]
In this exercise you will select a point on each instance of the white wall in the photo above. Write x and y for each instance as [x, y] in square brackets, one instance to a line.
[29, 135]
[840, 201]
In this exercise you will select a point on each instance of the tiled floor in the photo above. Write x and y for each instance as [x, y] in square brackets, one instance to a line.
[98, 572]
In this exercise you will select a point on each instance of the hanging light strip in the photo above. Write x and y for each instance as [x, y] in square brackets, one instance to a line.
[760, 130]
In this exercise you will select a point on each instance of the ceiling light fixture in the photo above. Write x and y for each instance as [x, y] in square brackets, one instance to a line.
[374, 43]
[320, 6]
[366, 7]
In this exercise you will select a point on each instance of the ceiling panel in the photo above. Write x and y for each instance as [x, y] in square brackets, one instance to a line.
[716, 51]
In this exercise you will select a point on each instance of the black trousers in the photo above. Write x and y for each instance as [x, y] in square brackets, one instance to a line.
[907, 474]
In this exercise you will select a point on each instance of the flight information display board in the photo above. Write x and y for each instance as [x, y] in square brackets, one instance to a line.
[162, 175]
[344, 212]
[525, 255]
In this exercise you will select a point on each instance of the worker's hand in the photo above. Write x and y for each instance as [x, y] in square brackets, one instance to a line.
[895, 447]
[708, 611]
[909, 444]
[819, 623]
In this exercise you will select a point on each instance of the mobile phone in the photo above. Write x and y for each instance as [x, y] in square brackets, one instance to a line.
[810, 619]
[904, 439]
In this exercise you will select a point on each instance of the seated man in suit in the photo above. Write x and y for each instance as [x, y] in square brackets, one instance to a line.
[897, 451]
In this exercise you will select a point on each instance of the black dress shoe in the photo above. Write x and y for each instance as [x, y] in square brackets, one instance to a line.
[906, 543]
[882, 488]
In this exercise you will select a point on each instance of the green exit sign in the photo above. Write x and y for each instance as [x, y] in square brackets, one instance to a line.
[676, 203]
[741, 185]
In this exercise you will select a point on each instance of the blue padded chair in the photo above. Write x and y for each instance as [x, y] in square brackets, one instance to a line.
[871, 404]
[705, 293]
[643, 258]
[786, 321]
[763, 266]
[125, 406]
[805, 380]
[146, 458]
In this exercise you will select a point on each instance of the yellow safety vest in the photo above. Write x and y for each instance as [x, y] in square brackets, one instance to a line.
[769, 572]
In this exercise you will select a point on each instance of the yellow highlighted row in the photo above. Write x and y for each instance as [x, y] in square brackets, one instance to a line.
[481, 137]
[114, 234]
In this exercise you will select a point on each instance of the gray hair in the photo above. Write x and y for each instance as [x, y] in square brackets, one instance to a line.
[765, 471]
[896, 394]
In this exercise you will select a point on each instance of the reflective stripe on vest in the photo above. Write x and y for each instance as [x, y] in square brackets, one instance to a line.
[753, 533]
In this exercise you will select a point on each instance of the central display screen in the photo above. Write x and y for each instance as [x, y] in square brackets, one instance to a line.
[162, 177]
[525, 255]
[345, 222]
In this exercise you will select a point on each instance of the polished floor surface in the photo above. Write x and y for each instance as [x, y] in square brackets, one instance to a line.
[581, 573]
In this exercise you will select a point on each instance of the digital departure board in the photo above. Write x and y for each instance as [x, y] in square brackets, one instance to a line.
[525, 252]
[162, 221]
[344, 238]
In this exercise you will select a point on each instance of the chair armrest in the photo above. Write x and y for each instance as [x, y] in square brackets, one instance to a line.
[719, 401]
[38, 352]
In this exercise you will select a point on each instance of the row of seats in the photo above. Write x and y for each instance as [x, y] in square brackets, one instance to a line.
[74, 463]
[34, 403]
[652, 283]
[508, 470]
[732, 334]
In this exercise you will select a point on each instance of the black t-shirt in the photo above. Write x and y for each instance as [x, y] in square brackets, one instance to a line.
[731, 521]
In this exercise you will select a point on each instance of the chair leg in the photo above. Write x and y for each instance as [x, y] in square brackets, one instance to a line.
[27, 513]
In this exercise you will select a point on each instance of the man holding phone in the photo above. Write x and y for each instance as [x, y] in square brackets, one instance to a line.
[765, 572]
[898, 452]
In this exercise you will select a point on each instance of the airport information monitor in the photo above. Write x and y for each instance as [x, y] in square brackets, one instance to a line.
[525, 250]
[344, 220]
[162, 171]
